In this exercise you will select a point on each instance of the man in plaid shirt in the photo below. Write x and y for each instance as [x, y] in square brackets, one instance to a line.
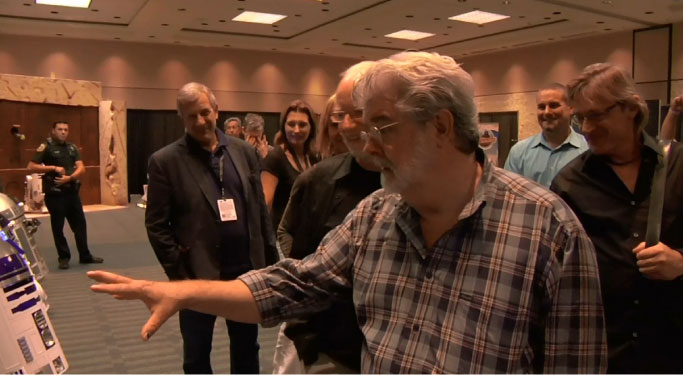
[455, 266]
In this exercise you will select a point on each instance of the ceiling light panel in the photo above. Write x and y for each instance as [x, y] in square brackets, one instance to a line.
[65, 3]
[479, 17]
[258, 17]
[409, 35]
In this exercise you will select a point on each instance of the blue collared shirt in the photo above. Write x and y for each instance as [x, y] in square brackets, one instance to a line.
[536, 159]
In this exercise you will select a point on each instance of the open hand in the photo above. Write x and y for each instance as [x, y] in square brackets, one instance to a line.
[158, 296]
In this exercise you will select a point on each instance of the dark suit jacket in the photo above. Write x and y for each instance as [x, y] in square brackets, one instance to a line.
[182, 218]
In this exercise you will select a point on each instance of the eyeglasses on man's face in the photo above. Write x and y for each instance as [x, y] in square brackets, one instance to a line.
[593, 116]
[375, 133]
[338, 116]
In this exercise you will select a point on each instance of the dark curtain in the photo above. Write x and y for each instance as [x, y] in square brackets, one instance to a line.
[150, 130]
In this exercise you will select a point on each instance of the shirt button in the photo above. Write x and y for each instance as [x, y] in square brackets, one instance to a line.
[636, 302]
[633, 203]
[416, 327]
[635, 335]
[636, 235]
[428, 275]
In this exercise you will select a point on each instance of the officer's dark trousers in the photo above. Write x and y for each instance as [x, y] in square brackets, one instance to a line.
[197, 331]
[68, 206]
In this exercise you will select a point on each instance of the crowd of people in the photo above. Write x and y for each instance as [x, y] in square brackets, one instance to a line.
[387, 242]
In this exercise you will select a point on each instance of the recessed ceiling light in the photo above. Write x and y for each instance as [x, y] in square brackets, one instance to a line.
[409, 35]
[479, 17]
[257, 17]
[66, 3]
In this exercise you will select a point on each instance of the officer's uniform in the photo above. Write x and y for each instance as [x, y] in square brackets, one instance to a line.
[63, 201]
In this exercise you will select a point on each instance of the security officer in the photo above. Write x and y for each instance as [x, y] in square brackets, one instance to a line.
[61, 162]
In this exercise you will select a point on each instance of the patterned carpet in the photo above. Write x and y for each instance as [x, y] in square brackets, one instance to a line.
[101, 335]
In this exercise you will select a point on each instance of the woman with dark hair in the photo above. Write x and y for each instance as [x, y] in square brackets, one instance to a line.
[294, 152]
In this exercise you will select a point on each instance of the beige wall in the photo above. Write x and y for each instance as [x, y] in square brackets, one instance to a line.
[147, 76]
[508, 81]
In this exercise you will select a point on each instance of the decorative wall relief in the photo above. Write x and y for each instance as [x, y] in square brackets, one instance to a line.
[50, 90]
[113, 151]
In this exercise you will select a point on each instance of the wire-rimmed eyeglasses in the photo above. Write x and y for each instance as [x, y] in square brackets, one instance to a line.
[579, 118]
[338, 116]
[375, 133]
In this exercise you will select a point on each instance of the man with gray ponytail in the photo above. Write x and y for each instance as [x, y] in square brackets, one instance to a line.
[611, 189]
[456, 266]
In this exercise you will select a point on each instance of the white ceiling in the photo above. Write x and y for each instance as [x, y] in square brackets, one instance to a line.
[347, 28]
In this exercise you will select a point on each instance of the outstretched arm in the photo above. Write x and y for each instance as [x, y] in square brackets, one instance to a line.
[230, 299]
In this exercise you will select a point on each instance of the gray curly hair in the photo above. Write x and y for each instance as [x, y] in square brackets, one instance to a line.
[426, 83]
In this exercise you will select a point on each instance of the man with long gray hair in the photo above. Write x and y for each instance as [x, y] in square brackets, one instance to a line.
[456, 266]
[611, 189]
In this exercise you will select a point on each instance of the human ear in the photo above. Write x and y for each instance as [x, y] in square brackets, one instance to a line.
[444, 123]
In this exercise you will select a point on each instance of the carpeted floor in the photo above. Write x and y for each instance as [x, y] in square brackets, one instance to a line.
[101, 335]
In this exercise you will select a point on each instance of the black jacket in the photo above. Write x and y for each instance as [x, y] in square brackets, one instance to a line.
[321, 198]
[182, 219]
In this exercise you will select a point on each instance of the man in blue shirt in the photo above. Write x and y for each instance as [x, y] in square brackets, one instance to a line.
[541, 156]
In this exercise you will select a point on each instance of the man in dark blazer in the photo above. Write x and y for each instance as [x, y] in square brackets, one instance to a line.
[207, 218]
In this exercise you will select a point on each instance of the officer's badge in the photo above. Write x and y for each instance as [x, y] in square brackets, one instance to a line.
[41, 148]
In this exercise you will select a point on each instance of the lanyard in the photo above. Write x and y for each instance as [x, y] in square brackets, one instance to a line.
[220, 176]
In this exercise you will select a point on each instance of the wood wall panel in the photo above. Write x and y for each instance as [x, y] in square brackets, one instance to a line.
[36, 121]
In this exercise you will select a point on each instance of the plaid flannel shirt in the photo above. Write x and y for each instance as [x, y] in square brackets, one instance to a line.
[513, 287]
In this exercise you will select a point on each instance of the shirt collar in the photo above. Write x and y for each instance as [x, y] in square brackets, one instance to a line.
[408, 219]
[648, 148]
[573, 139]
[222, 143]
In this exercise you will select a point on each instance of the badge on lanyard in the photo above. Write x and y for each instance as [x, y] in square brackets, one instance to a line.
[226, 208]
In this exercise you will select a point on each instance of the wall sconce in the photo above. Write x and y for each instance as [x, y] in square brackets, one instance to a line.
[16, 132]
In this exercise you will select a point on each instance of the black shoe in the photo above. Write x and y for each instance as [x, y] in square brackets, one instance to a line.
[63, 264]
[91, 260]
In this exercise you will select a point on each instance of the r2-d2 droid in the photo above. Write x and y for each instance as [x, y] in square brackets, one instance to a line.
[28, 343]
[23, 230]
